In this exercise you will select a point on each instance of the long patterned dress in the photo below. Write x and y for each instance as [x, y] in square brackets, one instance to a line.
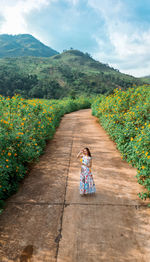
[87, 184]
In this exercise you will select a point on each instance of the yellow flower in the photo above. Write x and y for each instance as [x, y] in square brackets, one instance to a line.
[131, 139]
[20, 133]
[143, 167]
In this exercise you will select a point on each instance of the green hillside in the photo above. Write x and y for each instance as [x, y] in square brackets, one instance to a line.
[23, 45]
[71, 72]
[146, 79]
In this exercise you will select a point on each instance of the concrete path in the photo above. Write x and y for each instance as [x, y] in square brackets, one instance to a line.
[48, 221]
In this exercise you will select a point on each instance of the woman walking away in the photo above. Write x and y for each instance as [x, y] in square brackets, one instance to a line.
[87, 185]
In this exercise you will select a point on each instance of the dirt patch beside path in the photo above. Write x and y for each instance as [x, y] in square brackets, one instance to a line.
[48, 221]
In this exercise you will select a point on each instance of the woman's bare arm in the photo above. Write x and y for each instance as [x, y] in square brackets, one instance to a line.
[80, 154]
[90, 165]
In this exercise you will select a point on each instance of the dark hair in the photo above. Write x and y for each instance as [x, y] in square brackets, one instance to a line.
[89, 153]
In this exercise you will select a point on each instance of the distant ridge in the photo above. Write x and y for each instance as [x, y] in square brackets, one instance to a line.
[146, 79]
[69, 73]
[23, 45]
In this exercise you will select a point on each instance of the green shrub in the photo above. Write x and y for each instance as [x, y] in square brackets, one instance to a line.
[125, 115]
[25, 126]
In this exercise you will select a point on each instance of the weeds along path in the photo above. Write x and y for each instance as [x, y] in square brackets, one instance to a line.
[48, 221]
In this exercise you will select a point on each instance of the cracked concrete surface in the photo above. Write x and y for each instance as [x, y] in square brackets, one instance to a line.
[48, 221]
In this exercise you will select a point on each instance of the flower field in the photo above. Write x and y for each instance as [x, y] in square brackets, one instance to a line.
[25, 125]
[125, 115]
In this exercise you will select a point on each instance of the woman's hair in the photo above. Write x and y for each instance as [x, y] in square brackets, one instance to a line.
[88, 151]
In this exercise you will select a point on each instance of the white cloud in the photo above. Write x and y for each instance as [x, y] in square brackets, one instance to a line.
[73, 2]
[109, 9]
[14, 14]
[126, 46]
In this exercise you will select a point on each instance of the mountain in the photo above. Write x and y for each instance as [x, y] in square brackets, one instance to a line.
[71, 72]
[146, 79]
[23, 45]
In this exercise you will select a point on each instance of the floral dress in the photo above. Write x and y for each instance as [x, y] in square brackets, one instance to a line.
[87, 184]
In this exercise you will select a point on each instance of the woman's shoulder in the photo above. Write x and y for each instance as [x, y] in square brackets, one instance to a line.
[89, 157]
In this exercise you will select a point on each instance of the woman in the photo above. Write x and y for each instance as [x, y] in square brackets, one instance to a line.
[87, 185]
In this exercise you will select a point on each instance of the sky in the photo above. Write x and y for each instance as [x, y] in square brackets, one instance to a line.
[114, 32]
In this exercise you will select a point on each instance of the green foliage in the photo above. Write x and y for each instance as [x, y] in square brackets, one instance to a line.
[57, 76]
[146, 79]
[13, 82]
[125, 115]
[24, 128]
